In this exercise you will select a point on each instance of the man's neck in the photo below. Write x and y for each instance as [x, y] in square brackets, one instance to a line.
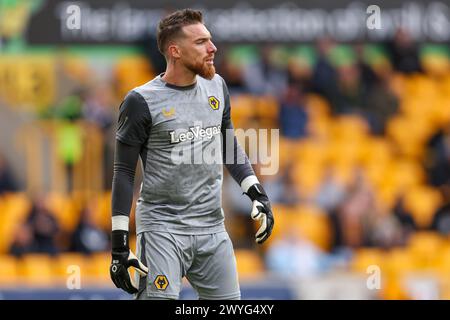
[179, 76]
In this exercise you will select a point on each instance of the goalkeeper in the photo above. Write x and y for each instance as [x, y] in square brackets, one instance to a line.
[179, 217]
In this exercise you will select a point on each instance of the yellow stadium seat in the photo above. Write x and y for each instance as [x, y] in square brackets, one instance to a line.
[310, 151]
[376, 151]
[8, 270]
[345, 152]
[443, 259]
[366, 257]
[77, 68]
[399, 262]
[394, 289]
[445, 287]
[443, 270]
[440, 113]
[422, 202]
[320, 128]
[243, 107]
[407, 174]
[387, 194]
[377, 172]
[65, 260]
[415, 108]
[350, 128]
[69, 266]
[15, 207]
[308, 178]
[98, 267]
[267, 108]
[283, 219]
[445, 85]
[249, 263]
[394, 179]
[426, 248]
[313, 224]
[100, 207]
[285, 152]
[410, 133]
[17, 204]
[317, 107]
[421, 86]
[398, 84]
[132, 71]
[65, 209]
[38, 270]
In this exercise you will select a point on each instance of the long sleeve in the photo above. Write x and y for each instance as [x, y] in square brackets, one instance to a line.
[237, 163]
[132, 133]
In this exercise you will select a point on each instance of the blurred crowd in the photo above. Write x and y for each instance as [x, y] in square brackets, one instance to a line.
[357, 80]
[353, 79]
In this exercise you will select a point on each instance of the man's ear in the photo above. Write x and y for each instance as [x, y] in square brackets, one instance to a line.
[174, 51]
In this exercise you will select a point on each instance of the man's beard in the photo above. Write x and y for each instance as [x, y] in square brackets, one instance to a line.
[203, 69]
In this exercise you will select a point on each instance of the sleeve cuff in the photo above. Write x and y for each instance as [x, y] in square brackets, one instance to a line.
[248, 182]
[120, 222]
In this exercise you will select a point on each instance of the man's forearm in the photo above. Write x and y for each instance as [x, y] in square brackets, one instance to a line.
[125, 160]
[237, 164]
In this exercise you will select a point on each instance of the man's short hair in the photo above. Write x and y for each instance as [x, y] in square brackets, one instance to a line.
[170, 26]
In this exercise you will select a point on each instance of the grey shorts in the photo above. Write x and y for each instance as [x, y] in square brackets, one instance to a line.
[207, 262]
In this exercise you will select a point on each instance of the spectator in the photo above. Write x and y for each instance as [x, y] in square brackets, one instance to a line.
[23, 241]
[381, 103]
[87, 237]
[44, 227]
[392, 229]
[404, 52]
[352, 218]
[295, 256]
[324, 78]
[441, 219]
[350, 95]
[404, 217]
[239, 208]
[98, 106]
[299, 70]
[266, 75]
[438, 157]
[231, 69]
[368, 76]
[293, 115]
[331, 193]
[7, 181]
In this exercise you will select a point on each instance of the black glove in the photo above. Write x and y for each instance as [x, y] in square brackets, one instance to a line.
[261, 211]
[122, 259]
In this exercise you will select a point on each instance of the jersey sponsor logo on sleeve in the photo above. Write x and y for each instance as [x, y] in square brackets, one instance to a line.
[214, 102]
[194, 133]
[161, 282]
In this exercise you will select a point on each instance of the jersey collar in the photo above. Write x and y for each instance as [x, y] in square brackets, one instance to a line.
[169, 85]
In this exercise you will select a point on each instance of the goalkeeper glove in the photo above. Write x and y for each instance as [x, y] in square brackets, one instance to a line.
[122, 259]
[261, 212]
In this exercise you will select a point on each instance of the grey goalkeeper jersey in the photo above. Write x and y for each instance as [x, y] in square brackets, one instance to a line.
[180, 132]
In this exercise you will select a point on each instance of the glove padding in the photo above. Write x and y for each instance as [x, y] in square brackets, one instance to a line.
[261, 212]
[122, 259]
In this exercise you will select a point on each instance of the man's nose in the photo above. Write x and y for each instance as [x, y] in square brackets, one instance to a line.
[212, 48]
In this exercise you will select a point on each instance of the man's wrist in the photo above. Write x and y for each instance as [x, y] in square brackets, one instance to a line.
[248, 182]
[119, 241]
